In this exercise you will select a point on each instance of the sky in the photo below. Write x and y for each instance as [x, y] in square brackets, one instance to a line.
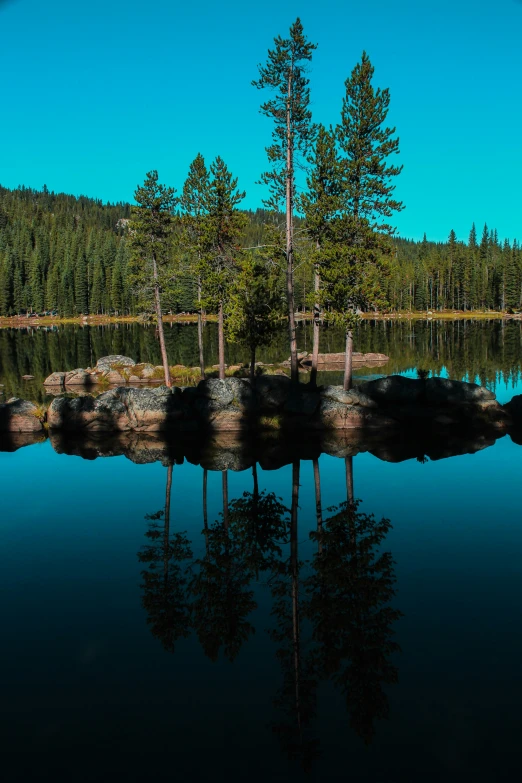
[95, 94]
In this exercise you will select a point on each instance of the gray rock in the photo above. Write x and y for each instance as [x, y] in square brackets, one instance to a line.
[20, 416]
[230, 391]
[55, 379]
[447, 392]
[106, 362]
[393, 388]
[272, 392]
[352, 397]
[514, 408]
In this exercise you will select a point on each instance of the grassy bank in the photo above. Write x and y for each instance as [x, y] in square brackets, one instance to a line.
[100, 320]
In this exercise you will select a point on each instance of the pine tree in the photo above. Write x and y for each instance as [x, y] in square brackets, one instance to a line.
[254, 308]
[151, 231]
[193, 202]
[320, 204]
[285, 75]
[367, 179]
[223, 226]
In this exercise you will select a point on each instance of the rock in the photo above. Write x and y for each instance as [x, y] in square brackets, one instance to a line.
[301, 402]
[337, 415]
[514, 408]
[55, 379]
[235, 391]
[392, 389]
[20, 416]
[118, 410]
[107, 362]
[28, 377]
[447, 392]
[352, 397]
[115, 377]
[272, 392]
[78, 378]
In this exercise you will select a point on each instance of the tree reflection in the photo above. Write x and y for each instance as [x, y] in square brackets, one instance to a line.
[221, 588]
[349, 594]
[296, 698]
[164, 585]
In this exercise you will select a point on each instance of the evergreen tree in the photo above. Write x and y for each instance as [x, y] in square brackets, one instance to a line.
[151, 231]
[368, 190]
[285, 75]
[223, 226]
[321, 203]
[193, 202]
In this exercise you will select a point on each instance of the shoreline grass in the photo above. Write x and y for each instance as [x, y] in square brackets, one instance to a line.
[100, 320]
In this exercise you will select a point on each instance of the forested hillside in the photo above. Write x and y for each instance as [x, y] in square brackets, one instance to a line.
[69, 255]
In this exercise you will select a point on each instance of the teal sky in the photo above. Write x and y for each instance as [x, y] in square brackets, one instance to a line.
[95, 94]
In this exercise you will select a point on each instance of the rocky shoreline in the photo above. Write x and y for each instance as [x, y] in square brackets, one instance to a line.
[273, 403]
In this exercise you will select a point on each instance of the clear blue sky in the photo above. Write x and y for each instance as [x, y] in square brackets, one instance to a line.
[95, 94]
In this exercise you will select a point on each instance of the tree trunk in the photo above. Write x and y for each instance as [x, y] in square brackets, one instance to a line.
[294, 560]
[294, 372]
[318, 506]
[224, 481]
[166, 530]
[205, 508]
[317, 314]
[221, 342]
[348, 462]
[348, 361]
[252, 364]
[200, 334]
[159, 316]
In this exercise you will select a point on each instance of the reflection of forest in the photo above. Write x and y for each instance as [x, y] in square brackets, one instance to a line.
[332, 615]
[485, 351]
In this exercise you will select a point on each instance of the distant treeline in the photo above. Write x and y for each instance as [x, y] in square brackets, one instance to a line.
[70, 255]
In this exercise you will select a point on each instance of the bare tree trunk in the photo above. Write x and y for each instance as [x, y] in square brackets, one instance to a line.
[318, 507]
[252, 364]
[205, 508]
[221, 342]
[348, 462]
[317, 314]
[166, 530]
[159, 316]
[294, 372]
[224, 481]
[295, 586]
[200, 333]
[348, 361]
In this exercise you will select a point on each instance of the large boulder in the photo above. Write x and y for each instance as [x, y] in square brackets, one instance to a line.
[514, 409]
[55, 379]
[20, 416]
[443, 391]
[393, 389]
[106, 363]
[118, 410]
[78, 377]
[230, 391]
[272, 392]
[339, 416]
[352, 397]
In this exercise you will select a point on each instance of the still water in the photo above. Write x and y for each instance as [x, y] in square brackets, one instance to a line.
[218, 611]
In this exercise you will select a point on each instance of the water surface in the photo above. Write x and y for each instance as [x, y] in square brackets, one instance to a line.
[177, 603]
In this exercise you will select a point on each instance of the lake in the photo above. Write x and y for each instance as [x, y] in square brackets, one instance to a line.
[223, 610]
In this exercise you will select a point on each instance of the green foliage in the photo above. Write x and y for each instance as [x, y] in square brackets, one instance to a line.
[222, 225]
[151, 233]
[367, 145]
[285, 76]
[255, 306]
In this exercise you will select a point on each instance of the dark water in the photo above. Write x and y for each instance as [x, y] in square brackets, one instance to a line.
[489, 352]
[202, 611]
